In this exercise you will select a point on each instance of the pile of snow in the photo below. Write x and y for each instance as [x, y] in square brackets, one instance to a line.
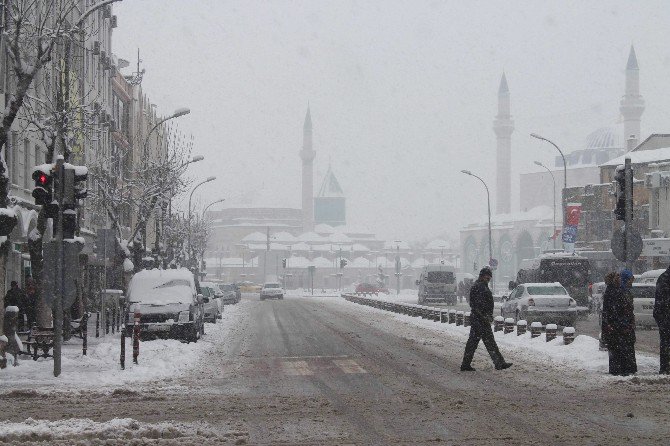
[75, 429]
[158, 359]
[582, 354]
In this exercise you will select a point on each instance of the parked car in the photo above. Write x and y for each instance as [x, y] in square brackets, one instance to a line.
[168, 303]
[272, 290]
[643, 304]
[230, 292]
[541, 302]
[369, 288]
[596, 299]
[213, 302]
[649, 276]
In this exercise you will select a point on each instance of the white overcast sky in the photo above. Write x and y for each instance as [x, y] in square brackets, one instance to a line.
[402, 93]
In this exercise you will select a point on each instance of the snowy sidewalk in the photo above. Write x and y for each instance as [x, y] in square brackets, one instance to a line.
[583, 354]
[101, 368]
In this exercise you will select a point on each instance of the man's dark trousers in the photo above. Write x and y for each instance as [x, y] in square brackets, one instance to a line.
[481, 330]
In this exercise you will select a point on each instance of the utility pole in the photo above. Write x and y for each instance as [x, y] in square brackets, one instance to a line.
[58, 285]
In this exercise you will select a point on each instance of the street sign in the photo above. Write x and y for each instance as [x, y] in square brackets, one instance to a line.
[656, 247]
[493, 263]
[634, 250]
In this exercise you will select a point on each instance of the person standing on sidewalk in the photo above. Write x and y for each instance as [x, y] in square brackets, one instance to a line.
[662, 318]
[481, 310]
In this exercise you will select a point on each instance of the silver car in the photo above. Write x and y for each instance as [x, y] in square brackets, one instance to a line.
[272, 291]
[547, 303]
[643, 304]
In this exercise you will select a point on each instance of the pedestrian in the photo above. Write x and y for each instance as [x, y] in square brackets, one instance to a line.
[662, 318]
[621, 344]
[481, 316]
[612, 281]
[15, 297]
[31, 301]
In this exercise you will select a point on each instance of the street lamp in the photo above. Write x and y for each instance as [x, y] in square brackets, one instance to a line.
[565, 174]
[177, 113]
[190, 247]
[553, 181]
[397, 265]
[488, 201]
[210, 204]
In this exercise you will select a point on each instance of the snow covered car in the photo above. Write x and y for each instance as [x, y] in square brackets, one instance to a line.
[437, 283]
[212, 301]
[643, 304]
[547, 303]
[230, 292]
[168, 304]
[272, 290]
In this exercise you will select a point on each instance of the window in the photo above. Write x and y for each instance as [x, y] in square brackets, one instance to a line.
[546, 291]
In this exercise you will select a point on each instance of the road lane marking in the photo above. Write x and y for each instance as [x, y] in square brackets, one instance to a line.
[349, 366]
[296, 368]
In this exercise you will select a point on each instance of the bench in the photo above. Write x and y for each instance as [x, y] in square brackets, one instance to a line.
[40, 339]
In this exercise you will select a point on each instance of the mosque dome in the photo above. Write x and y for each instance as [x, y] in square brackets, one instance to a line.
[603, 138]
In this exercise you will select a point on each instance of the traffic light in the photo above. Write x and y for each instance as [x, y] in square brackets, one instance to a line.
[80, 177]
[283, 263]
[343, 263]
[43, 190]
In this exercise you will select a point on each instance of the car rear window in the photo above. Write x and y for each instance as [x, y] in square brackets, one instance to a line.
[271, 285]
[643, 292]
[440, 277]
[546, 290]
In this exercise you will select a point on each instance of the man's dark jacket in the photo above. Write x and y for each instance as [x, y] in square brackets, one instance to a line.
[662, 298]
[481, 302]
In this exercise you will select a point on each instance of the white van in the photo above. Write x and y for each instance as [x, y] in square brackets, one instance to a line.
[437, 283]
[649, 276]
[643, 304]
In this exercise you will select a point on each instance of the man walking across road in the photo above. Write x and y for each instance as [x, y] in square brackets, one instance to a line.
[481, 309]
[662, 318]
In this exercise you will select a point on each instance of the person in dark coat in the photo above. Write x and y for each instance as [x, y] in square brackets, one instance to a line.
[621, 344]
[31, 301]
[15, 297]
[481, 310]
[662, 318]
[612, 282]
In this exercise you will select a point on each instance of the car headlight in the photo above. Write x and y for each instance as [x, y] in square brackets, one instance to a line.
[573, 303]
[184, 316]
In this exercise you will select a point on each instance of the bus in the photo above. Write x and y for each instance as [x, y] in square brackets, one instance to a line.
[571, 271]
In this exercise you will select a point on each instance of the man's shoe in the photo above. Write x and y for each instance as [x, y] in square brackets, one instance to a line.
[504, 365]
[467, 368]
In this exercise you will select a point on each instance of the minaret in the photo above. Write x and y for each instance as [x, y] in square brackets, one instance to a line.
[307, 155]
[503, 126]
[632, 104]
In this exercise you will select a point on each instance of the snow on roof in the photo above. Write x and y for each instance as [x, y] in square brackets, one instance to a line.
[533, 214]
[339, 237]
[393, 245]
[438, 244]
[302, 246]
[360, 262]
[162, 286]
[642, 157]
[283, 237]
[322, 262]
[420, 263]
[255, 237]
[357, 247]
[311, 237]
[324, 228]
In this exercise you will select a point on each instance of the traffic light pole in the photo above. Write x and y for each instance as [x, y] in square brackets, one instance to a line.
[58, 286]
[628, 196]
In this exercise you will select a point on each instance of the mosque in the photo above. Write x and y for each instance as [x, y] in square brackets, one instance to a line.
[251, 239]
[529, 232]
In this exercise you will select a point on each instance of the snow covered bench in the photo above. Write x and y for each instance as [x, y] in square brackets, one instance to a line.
[40, 338]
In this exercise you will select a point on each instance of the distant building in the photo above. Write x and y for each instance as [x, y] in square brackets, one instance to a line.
[329, 203]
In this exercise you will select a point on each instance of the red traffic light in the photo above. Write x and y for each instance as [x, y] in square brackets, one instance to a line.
[42, 179]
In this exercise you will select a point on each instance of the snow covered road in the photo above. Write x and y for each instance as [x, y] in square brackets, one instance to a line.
[326, 371]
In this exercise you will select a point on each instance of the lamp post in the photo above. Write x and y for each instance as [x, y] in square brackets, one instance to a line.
[565, 174]
[210, 204]
[488, 201]
[190, 246]
[553, 180]
[177, 113]
[397, 265]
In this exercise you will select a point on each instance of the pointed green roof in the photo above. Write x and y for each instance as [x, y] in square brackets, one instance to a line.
[330, 188]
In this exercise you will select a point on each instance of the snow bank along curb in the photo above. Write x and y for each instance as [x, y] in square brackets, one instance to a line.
[118, 428]
[579, 352]
[158, 359]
